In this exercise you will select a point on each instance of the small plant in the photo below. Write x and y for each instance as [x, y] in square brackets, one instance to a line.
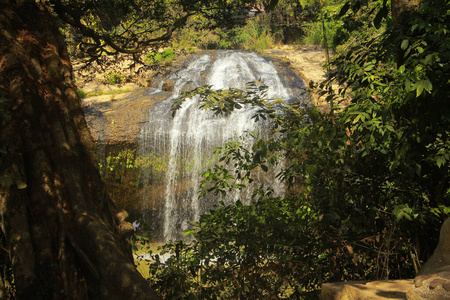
[114, 78]
[82, 94]
[160, 57]
[192, 37]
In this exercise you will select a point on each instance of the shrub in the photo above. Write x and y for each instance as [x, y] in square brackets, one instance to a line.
[336, 34]
[114, 78]
[82, 94]
[256, 35]
[189, 39]
[241, 251]
[160, 57]
[225, 39]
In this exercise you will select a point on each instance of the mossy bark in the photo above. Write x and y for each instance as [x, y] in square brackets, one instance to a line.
[61, 235]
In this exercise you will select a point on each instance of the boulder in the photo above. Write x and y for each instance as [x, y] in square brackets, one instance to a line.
[433, 281]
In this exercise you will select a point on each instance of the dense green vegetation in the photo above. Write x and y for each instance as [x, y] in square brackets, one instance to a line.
[369, 181]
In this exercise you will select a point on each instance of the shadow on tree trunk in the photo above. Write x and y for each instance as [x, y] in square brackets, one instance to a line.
[61, 233]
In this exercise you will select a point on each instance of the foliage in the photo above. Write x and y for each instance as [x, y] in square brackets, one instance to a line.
[225, 101]
[396, 126]
[196, 36]
[242, 252]
[114, 78]
[368, 182]
[82, 94]
[123, 171]
[314, 33]
[190, 39]
[399, 92]
[224, 39]
[166, 55]
[339, 24]
[131, 26]
[256, 35]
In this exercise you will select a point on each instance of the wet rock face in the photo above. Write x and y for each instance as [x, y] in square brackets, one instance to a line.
[168, 85]
[117, 121]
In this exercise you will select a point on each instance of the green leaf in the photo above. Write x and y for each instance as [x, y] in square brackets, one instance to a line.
[427, 86]
[440, 161]
[404, 44]
[419, 89]
[21, 185]
[429, 59]
[368, 67]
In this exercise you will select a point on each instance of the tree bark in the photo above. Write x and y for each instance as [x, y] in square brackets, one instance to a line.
[399, 7]
[60, 231]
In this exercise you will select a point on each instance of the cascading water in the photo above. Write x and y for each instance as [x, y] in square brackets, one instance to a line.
[176, 150]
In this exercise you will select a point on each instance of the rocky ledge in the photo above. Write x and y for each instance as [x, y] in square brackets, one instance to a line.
[388, 289]
[115, 112]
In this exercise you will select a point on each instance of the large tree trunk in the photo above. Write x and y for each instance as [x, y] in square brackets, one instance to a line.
[60, 232]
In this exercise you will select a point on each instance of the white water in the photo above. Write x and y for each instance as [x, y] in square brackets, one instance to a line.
[187, 141]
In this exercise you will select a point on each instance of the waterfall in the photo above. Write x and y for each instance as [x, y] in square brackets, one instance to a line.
[176, 150]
